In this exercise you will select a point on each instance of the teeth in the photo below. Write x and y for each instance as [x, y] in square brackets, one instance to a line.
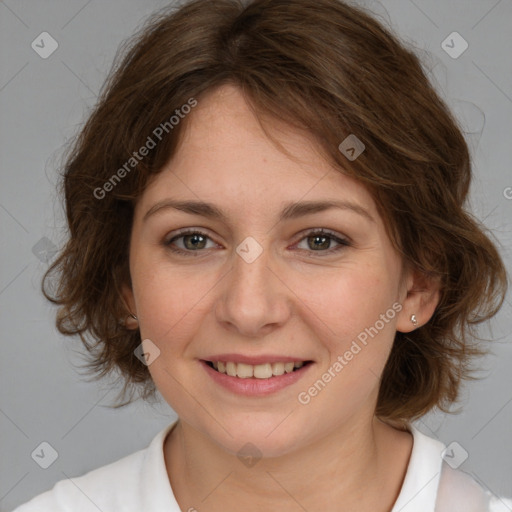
[244, 371]
[263, 371]
[259, 371]
[277, 368]
[231, 369]
[288, 367]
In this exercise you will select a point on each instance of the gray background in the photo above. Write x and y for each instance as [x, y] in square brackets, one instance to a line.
[42, 103]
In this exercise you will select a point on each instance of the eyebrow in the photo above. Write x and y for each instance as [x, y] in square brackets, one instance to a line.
[290, 211]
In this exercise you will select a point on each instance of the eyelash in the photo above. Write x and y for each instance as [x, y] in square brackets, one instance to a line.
[343, 242]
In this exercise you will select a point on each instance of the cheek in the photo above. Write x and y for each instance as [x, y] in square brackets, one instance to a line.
[351, 312]
[371, 329]
[349, 381]
[345, 301]
[170, 301]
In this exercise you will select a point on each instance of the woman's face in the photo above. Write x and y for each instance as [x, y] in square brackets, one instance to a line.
[257, 285]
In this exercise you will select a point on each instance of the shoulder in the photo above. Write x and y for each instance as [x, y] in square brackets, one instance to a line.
[497, 504]
[109, 487]
[136, 482]
[460, 492]
[432, 485]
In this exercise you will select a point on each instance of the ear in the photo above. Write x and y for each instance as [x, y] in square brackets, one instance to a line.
[128, 299]
[420, 296]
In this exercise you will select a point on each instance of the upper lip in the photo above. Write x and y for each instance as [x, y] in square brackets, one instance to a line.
[254, 360]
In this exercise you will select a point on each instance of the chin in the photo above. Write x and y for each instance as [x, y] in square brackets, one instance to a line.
[269, 437]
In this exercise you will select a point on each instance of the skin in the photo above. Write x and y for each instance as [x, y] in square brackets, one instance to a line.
[294, 299]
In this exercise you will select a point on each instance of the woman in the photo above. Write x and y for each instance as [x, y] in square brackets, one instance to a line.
[267, 226]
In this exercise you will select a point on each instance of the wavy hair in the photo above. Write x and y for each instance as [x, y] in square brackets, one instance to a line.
[320, 65]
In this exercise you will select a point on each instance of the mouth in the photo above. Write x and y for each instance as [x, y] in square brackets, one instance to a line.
[262, 371]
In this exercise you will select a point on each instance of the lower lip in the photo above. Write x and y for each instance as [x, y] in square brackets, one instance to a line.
[253, 386]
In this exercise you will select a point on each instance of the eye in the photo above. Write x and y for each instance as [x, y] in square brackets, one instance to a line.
[193, 241]
[320, 239]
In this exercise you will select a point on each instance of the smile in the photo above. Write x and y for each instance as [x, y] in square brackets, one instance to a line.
[258, 371]
[255, 380]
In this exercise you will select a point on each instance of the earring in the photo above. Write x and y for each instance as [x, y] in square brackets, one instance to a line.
[413, 320]
[131, 321]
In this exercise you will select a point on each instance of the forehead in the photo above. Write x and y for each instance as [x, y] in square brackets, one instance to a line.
[225, 157]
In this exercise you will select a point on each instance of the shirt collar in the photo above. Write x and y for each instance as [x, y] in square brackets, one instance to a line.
[419, 489]
[155, 488]
[418, 492]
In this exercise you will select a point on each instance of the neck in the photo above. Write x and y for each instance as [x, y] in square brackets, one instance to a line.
[366, 460]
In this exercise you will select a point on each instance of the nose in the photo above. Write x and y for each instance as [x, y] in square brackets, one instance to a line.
[254, 300]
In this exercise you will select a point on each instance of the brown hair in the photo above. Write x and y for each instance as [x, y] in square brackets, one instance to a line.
[321, 66]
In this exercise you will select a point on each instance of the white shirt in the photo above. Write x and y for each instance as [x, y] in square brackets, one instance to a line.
[139, 483]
